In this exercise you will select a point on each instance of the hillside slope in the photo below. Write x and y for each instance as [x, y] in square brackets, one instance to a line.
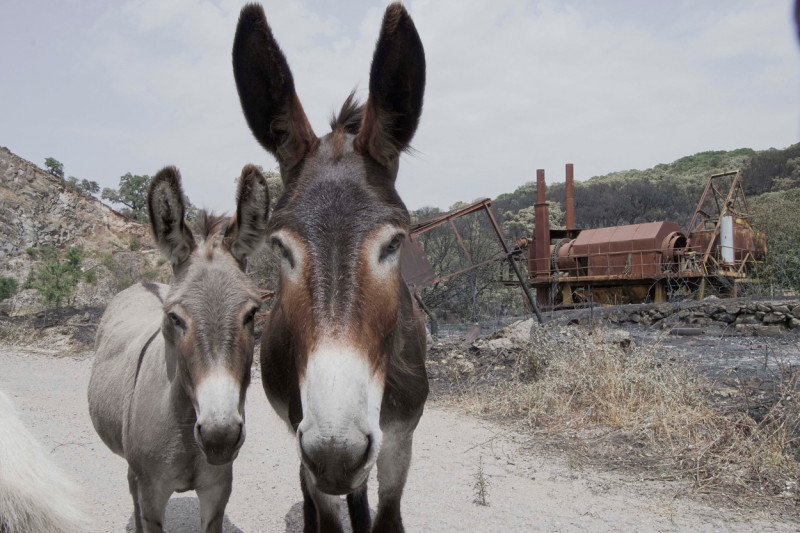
[37, 209]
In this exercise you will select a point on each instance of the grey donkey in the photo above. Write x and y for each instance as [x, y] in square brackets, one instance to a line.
[172, 362]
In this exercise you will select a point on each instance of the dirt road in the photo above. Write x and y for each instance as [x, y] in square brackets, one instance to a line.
[526, 492]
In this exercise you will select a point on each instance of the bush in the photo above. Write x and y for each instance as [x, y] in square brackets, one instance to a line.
[56, 279]
[8, 287]
[90, 276]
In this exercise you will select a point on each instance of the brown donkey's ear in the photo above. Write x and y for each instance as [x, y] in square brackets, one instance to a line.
[266, 90]
[248, 229]
[396, 87]
[797, 17]
[166, 210]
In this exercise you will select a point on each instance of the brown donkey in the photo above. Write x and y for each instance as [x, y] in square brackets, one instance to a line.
[172, 362]
[343, 357]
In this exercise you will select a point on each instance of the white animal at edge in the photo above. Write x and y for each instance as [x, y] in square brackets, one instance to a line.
[36, 496]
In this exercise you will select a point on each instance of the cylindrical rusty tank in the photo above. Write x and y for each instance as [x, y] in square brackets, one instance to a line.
[637, 251]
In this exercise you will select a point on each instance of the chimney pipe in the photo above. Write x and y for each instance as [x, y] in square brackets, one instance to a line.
[541, 188]
[570, 201]
[541, 232]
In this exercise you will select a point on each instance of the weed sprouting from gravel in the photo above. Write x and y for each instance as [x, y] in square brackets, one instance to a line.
[481, 486]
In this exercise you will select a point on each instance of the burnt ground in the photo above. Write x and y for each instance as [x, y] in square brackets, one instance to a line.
[747, 373]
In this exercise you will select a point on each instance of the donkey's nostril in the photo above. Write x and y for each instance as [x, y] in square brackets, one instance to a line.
[200, 429]
[365, 456]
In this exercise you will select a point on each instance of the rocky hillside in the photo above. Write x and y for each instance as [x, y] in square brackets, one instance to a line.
[38, 210]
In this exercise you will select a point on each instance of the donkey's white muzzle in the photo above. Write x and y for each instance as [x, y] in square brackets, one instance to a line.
[339, 437]
[220, 426]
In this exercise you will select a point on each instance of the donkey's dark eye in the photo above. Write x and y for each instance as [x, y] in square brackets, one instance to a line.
[285, 253]
[176, 320]
[250, 316]
[394, 245]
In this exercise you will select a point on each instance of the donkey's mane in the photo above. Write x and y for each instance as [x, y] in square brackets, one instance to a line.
[349, 117]
[209, 224]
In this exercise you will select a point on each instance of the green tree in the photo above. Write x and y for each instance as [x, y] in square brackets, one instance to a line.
[92, 187]
[521, 223]
[775, 214]
[132, 194]
[54, 167]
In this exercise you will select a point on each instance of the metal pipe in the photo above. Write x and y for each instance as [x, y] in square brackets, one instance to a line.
[570, 202]
[510, 256]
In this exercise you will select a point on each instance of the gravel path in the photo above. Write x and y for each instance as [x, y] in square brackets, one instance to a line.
[526, 492]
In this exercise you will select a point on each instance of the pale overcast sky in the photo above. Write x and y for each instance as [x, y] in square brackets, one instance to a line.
[109, 87]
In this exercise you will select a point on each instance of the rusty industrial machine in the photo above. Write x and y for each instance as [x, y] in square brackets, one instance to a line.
[655, 261]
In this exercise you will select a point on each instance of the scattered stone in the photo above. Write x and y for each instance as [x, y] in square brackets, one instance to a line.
[496, 344]
[616, 336]
[768, 331]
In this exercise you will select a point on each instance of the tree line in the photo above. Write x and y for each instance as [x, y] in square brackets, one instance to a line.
[771, 179]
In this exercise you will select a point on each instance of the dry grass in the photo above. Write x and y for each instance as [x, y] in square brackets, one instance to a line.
[645, 410]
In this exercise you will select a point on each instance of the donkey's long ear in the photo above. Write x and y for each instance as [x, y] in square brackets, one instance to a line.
[166, 209]
[266, 90]
[396, 87]
[248, 229]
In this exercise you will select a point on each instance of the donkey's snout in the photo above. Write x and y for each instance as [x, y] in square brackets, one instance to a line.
[220, 442]
[338, 464]
[220, 422]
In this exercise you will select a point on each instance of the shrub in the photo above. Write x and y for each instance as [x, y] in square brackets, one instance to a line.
[56, 279]
[8, 287]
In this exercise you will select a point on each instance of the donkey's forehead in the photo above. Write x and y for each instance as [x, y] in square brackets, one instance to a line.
[347, 193]
[207, 283]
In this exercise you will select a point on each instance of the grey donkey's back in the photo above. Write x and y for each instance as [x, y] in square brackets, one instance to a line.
[130, 325]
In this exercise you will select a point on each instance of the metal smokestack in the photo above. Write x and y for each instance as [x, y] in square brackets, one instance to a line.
[570, 200]
[541, 232]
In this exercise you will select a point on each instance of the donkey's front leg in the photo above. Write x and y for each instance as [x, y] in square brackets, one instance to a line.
[327, 516]
[393, 462]
[213, 495]
[358, 507]
[137, 512]
[153, 498]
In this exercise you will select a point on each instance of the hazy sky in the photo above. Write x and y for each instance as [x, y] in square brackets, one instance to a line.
[109, 87]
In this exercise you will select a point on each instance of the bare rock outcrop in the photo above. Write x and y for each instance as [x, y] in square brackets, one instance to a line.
[37, 209]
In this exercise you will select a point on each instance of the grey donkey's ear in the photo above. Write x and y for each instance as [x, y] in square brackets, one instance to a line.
[166, 209]
[248, 229]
